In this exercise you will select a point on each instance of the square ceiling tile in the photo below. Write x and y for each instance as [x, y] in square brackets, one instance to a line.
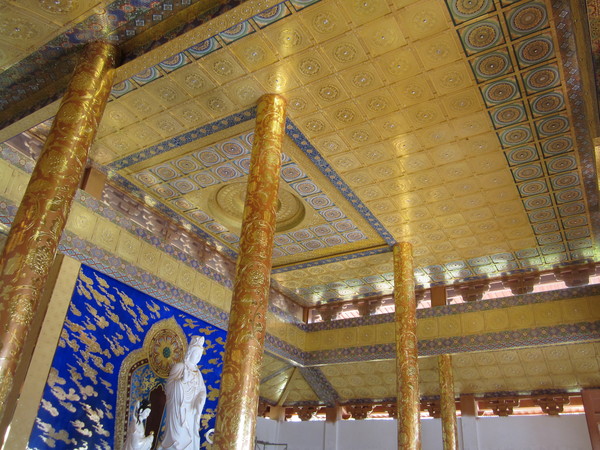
[462, 103]
[23, 30]
[190, 113]
[118, 115]
[534, 50]
[345, 51]
[373, 154]
[325, 21]
[288, 36]
[423, 19]
[492, 65]
[310, 66]
[315, 124]
[424, 179]
[166, 92]
[142, 134]
[413, 90]
[344, 114]
[482, 35]
[439, 50]
[278, 78]
[331, 144]
[345, 162]
[398, 64]
[193, 79]
[392, 125]
[363, 12]
[382, 36]
[437, 135]
[245, 92]
[451, 78]
[223, 66]
[328, 91]
[377, 103]
[472, 125]
[425, 114]
[447, 153]
[361, 79]
[386, 170]
[300, 102]
[501, 91]
[359, 135]
[253, 52]
[216, 103]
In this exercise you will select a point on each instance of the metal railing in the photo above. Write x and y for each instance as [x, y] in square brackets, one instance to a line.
[267, 445]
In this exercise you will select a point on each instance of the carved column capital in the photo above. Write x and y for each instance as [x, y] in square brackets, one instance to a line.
[575, 275]
[521, 283]
[359, 412]
[472, 291]
[305, 413]
[502, 407]
[552, 405]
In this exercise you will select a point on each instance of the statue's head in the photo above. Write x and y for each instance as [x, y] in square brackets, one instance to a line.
[195, 350]
[143, 409]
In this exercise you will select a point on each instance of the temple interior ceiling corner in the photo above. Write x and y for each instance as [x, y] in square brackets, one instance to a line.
[465, 128]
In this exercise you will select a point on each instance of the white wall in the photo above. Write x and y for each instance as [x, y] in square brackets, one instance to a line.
[567, 432]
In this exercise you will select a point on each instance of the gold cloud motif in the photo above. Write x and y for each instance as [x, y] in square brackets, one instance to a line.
[49, 407]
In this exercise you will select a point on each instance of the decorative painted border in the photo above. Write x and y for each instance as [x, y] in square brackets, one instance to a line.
[579, 332]
[320, 262]
[315, 157]
[320, 385]
[181, 140]
[561, 11]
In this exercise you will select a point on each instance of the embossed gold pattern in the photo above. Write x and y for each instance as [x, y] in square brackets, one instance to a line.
[238, 399]
[447, 405]
[407, 367]
[33, 239]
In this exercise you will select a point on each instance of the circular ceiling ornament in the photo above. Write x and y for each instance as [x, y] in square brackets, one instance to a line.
[527, 19]
[548, 103]
[522, 155]
[227, 207]
[535, 50]
[463, 10]
[482, 35]
[501, 91]
[558, 145]
[552, 125]
[508, 115]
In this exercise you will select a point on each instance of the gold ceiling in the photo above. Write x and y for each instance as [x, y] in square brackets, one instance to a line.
[447, 127]
[565, 367]
[461, 127]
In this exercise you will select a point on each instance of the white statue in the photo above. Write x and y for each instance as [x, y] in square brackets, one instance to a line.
[186, 395]
[136, 432]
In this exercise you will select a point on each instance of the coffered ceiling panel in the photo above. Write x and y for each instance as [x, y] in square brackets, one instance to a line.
[453, 126]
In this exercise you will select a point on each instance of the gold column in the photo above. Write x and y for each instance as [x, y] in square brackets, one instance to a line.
[447, 405]
[33, 239]
[238, 396]
[407, 367]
